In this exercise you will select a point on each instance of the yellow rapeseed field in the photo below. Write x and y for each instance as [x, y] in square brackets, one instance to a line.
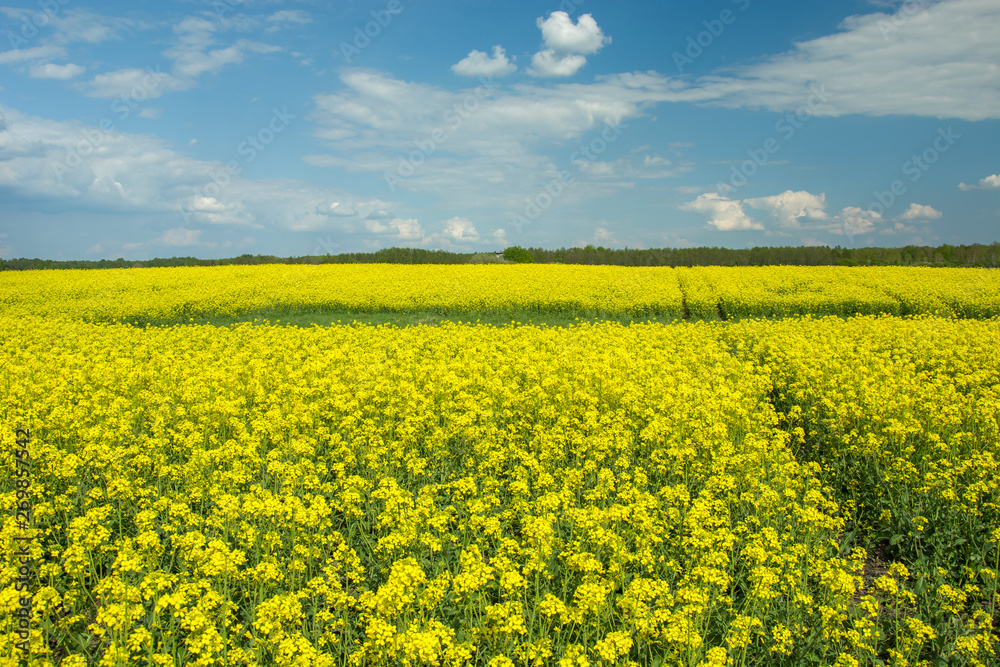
[167, 294]
[807, 490]
[164, 295]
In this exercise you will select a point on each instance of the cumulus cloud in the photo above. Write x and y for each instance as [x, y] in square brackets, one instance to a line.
[989, 183]
[566, 44]
[478, 63]
[855, 221]
[457, 233]
[605, 236]
[921, 212]
[790, 208]
[460, 230]
[460, 234]
[400, 229]
[723, 213]
[548, 63]
[563, 36]
[791, 211]
[803, 211]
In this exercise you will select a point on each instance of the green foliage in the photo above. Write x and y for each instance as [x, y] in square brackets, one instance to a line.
[487, 258]
[518, 255]
[946, 255]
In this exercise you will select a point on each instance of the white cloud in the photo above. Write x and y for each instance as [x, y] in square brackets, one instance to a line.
[407, 229]
[478, 63]
[790, 208]
[209, 210]
[989, 183]
[457, 233]
[921, 212]
[336, 209]
[192, 63]
[855, 221]
[94, 249]
[939, 61]
[73, 167]
[548, 63]
[400, 229]
[192, 57]
[180, 237]
[82, 25]
[799, 211]
[460, 235]
[52, 71]
[34, 53]
[562, 35]
[460, 230]
[565, 45]
[723, 213]
[137, 83]
[650, 167]
[605, 236]
[76, 24]
[499, 136]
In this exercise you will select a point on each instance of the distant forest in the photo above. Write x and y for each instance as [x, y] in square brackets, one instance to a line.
[944, 255]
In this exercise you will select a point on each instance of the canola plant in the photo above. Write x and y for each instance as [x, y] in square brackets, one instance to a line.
[798, 490]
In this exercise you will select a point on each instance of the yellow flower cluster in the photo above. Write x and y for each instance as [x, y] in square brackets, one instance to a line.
[597, 494]
[703, 493]
[166, 294]
[902, 417]
[160, 295]
[781, 291]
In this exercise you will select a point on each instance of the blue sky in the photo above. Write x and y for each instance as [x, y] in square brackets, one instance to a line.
[216, 128]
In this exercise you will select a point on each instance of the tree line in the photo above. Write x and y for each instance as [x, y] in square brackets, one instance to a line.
[943, 255]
